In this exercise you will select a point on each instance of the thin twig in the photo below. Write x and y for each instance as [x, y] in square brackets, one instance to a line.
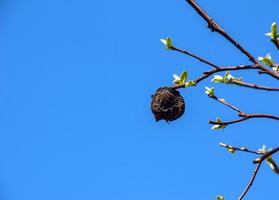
[247, 116]
[266, 155]
[220, 69]
[243, 116]
[244, 149]
[254, 86]
[194, 56]
[225, 103]
[217, 28]
[228, 122]
[255, 172]
[258, 163]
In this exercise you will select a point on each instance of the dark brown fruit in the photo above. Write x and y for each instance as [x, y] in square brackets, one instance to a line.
[167, 104]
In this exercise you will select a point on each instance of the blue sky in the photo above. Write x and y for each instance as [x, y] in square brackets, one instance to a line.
[76, 79]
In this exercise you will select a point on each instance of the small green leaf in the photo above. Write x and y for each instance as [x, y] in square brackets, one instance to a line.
[219, 197]
[217, 79]
[231, 150]
[274, 30]
[266, 60]
[272, 164]
[180, 79]
[273, 34]
[183, 76]
[190, 83]
[218, 126]
[167, 42]
[226, 79]
[209, 91]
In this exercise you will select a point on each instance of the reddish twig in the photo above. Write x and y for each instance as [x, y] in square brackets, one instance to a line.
[255, 172]
[266, 155]
[253, 86]
[243, 116]
[194, 56]
[244, 149]
[258, 162]
[220, 69]
[217, 28]
[225, 103]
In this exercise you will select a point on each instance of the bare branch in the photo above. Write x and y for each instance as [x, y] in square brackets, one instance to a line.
[253, 86]
[243, 116]
[228, 122]
[244, 149]
[255, 172]
[194, 56]
[258, 163]
[266, 155]
[220, 69]
[217, 28]
[225, 103]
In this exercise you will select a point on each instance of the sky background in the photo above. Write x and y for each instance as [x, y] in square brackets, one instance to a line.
[76, 80]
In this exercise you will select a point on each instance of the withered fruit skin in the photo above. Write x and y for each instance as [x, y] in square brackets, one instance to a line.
[167, 104]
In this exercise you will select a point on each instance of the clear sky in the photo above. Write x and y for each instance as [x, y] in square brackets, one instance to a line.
[76, 78]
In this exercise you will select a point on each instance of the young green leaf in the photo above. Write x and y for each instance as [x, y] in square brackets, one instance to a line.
[178, 80]
[209, 91]
[218, 126]
[190, 83]
[266, 60]
[167, 42]
[273, 34]
[183, 76]
[217, 79]
[219, 197]
[272, 164]
[231, 150]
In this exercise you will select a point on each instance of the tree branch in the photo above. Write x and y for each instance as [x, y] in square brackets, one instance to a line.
[255, 172]
[194, 56]
[243, 116]
[258, 162]
[266, 155]
[244, 149]
[225, 103]
[217, 28]
[220, 69]
[253, 86]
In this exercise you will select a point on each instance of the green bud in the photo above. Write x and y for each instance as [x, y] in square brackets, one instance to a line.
[167, 42]
[219, 197]
[209, 91]
[266, 60]
[178, 80]
[190, 83]
[231, 150]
